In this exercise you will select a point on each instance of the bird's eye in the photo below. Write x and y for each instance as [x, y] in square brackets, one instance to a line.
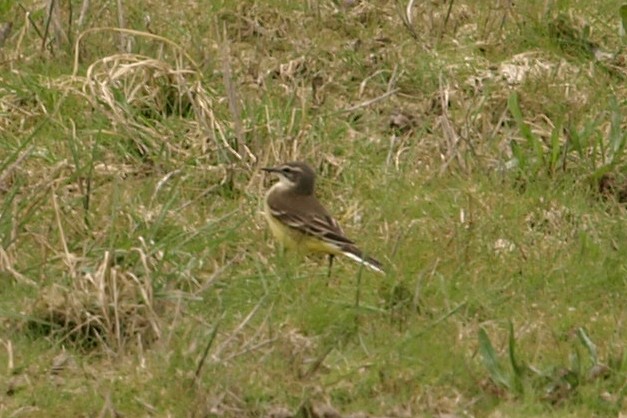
[287, 170]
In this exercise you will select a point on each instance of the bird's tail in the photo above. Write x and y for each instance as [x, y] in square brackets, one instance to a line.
[357, 255]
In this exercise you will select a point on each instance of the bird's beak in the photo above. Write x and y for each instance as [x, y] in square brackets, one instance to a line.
[270, 169]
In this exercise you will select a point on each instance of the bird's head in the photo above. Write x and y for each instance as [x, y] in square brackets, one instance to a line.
[296, 176]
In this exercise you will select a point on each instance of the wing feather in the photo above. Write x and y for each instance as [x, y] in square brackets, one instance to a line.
[323, 227]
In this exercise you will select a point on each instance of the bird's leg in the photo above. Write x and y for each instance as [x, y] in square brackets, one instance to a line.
[330, 265]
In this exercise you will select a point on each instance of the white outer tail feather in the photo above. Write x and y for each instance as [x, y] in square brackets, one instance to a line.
[363, 262]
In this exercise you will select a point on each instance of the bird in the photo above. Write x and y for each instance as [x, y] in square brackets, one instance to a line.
[300, 222]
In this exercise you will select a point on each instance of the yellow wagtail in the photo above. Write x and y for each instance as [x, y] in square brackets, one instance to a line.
[299, 221]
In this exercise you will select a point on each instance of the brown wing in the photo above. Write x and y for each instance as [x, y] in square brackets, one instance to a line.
[307, 215]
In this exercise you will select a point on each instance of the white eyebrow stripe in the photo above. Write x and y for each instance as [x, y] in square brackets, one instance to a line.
[292, 167]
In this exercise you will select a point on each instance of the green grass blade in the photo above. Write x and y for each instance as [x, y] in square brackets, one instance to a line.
[590, 346]
[555, 147]
[533, 142]
[491, 361]
[617, 138]
[623, 20]
[516, 367]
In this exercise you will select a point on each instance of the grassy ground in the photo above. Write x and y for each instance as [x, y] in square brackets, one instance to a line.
[476, 148]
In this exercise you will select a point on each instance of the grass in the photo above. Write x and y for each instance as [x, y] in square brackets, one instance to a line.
[476, 148]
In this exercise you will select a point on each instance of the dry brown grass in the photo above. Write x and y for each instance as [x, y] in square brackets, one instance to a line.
[108, 308]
